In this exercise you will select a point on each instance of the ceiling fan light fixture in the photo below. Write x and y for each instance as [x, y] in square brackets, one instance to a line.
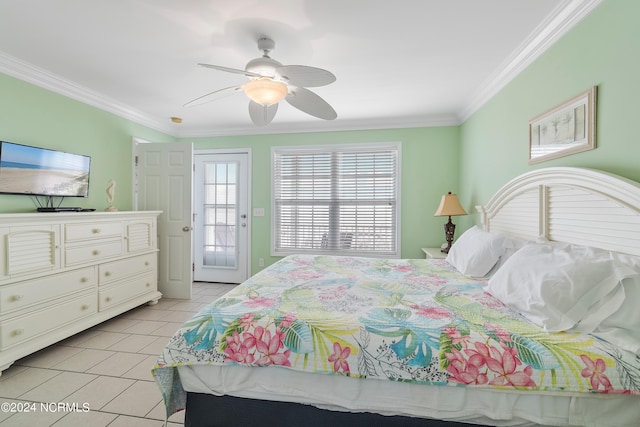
[271, 82]
[265, 91]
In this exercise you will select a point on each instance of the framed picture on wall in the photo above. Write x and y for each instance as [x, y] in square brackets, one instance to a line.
[566, 129]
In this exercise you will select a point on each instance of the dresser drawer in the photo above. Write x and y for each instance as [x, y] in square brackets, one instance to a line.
[114, 295]
[113, 271]
[24, 294]
[23, 328]
[87, 231]
[92, 253]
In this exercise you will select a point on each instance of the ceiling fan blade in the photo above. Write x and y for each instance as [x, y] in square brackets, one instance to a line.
[310, 103]
[230, 70]
[301, 75]
[262, 115]
[212, 96]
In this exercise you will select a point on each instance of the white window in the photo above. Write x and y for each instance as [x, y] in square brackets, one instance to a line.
[337, 199]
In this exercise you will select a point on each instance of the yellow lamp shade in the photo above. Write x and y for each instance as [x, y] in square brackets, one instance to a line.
[450, 206]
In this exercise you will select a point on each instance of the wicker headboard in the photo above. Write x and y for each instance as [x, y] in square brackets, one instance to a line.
[575, 205]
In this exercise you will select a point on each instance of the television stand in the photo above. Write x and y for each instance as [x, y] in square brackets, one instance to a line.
[59, 209]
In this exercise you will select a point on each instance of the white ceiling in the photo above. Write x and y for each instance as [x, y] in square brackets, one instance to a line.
[400, 63]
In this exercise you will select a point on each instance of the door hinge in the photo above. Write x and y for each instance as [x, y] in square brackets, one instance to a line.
[193, 266]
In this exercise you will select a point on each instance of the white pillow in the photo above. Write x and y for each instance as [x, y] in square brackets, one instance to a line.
[510, 246]
[555, 285]
[602, 309]
[622, 328]
[617, 307]
[475, 252]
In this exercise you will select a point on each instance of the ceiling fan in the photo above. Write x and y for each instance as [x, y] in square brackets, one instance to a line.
[270, 82]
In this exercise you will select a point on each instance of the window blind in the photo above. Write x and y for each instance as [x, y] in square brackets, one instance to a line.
[336, 199]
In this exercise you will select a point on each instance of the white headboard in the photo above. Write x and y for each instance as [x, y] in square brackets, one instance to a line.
[575, 205]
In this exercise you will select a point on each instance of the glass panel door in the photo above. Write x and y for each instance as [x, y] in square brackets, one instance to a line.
[221, 225]
[220, 211]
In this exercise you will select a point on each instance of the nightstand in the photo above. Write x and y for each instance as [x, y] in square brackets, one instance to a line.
[433, 253]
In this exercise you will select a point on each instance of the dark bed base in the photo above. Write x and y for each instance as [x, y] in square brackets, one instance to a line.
[205, 410]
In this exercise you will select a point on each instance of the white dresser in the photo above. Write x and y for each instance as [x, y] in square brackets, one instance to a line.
[61, 273]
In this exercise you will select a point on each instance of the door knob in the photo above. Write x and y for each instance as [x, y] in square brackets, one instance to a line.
[243, 216]
[186, 228]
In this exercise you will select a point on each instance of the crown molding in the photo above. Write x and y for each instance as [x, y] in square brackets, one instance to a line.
[559, 22]
[563, 18]
[328, 126]
[37, 76]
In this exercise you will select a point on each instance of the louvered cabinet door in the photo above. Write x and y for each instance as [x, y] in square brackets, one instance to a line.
[28, 250]
[140, 235]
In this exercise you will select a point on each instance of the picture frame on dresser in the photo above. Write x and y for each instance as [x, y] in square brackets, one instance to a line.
[566, 129]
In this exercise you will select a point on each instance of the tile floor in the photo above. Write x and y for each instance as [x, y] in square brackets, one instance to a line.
[107, 367]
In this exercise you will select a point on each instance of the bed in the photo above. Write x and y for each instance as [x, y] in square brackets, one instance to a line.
[325, 340]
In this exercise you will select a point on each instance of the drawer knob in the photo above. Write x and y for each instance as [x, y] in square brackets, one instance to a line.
[84, 280]
[148, 285]
[84, 307]
[107, 273]
[95, 230]
[15, 298]
[107, 299]
[146, 263]
[17, 332]
[95, 252]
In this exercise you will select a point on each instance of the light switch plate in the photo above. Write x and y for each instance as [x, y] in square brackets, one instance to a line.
[258, 211]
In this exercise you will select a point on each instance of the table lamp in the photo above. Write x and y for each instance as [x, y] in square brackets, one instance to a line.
[449, 206]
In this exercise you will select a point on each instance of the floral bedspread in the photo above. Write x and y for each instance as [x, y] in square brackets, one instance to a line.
[415, 321]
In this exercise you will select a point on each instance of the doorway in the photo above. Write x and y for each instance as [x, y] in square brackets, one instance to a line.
[163, 181]
[221, 216]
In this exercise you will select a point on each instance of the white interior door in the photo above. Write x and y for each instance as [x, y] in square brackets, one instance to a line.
[221, 205]
[164, 176]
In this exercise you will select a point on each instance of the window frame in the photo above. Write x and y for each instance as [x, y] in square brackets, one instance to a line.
[357, 147]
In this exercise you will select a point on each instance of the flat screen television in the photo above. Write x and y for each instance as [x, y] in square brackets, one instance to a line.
[38, 171]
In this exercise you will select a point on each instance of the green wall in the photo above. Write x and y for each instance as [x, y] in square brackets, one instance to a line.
[429, 169]
[604, 51]
[33, 116]
[473, 159]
